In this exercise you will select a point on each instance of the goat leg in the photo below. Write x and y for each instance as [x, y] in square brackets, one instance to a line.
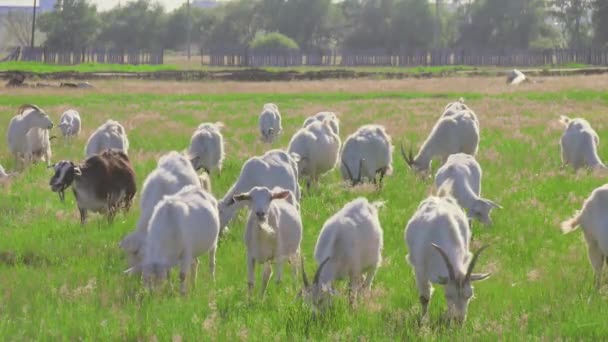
[83, 216]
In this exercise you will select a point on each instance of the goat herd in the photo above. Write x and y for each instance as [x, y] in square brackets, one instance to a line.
[180, 219]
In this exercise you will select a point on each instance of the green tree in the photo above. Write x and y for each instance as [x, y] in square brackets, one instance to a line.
[273, 40]
[499, 23]
[72, 25]
[238, 22]
[600, 22]
[389, 24]
[177, 25]
[370, 24]
[306, 21]
[412, 25]
[570, 14]
[137, 25]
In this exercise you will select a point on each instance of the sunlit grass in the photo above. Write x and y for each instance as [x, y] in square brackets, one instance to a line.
[63, 281]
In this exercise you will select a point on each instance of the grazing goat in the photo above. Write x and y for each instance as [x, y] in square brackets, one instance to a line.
[183, 226]
[438, 238]
[70, 123]
[22, 144]
[173, 172]
[273, 233]
[462, 174]
[367, 153]
[593, 219]
[458, 133]
[516, 77]
[318, 147]
[110, 135]
[206, 149]
[349, 245]
[322, 116]
[454, 108]
[103, 183]
[270, 123]
[275, 168]
[579, 144]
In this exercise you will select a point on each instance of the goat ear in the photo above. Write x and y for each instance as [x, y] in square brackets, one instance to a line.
[495, 205]
[280, 194]
[480, 276]
[241, 197]
[77, 171]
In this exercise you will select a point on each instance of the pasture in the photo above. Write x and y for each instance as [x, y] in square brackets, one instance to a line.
[61, 280]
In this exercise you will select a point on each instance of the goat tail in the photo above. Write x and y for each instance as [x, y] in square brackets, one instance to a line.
[571, 224]
[564, 120]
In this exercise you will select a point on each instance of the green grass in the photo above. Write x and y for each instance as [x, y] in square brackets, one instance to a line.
[63, 281]
[43, 68]
[37, 67]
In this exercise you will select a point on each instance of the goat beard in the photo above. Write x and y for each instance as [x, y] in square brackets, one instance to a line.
[264, 226]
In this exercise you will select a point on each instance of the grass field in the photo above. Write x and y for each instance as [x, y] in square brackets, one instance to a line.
[181, 63]
[62, 281]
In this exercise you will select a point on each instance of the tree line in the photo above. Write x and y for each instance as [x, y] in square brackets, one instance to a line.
[326, 24]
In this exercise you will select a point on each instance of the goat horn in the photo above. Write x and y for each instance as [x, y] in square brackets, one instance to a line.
[304, 276]
[473, 262]
[26, 106]
[318, 273]
[408, 159]
[448, 264]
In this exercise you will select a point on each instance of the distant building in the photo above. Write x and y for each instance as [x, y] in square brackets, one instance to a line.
[205, 3]
[8, 6]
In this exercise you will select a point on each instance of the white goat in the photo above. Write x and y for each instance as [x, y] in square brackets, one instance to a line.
[173, 172]
[516, 77]
[454, 108]
[182, 227]
[206, 149]
[579, 144]
[270, 123]
[23, 145]
[593, 219]
[322, 116]
[456, 105]
[349, 245]
[70, 123]
[275, 168]
[462, 173]
[458, 133]
[318, 147]
[38, 142]
[438, 238]
[273, 233]
[110, 135]
[366, 153]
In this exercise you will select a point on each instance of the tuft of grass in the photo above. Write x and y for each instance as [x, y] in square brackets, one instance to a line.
[63, 281]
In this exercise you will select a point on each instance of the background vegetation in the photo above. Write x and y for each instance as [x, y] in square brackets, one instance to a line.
[322, 24]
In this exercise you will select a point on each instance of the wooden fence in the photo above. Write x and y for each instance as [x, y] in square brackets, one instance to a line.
[405, 57]
[99, 55]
